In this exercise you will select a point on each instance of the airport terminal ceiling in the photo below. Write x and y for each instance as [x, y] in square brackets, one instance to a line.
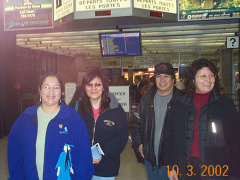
[184, 41]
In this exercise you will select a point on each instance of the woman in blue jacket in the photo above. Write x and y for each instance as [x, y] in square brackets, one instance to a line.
[105, 120]
[40, 135]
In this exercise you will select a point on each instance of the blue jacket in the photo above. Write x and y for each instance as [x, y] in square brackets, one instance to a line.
[111, 133]
[67, 127]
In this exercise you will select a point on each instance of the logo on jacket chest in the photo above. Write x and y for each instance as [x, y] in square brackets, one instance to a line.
[109, 123]
[63, 130]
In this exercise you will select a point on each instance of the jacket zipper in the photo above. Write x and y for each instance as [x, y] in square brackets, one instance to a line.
[95, 121]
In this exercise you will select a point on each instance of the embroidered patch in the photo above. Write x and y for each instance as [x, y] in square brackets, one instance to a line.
[109, 123]
[64, 165]
[64, 130]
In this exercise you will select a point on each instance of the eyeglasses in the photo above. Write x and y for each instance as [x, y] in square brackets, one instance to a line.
[96, 85]
[48, 88]
[204, 76]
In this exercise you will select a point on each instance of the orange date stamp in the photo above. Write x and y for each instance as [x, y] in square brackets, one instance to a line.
[207, 170]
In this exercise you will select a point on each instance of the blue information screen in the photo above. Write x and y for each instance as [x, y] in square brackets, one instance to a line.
[120, 44]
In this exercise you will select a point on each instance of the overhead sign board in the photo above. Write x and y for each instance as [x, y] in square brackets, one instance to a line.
[27, 14]
[157, 10]
[208, 9]
[86, 5]
[169, 6]
[62, 8]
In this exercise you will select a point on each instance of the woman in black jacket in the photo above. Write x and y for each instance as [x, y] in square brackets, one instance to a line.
[105, 120]
[202, 139]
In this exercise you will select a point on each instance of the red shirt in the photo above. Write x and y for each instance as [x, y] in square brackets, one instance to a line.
[95, 113]
[199, 101]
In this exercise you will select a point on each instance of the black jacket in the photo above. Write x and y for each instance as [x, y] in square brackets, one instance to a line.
[111, 133]
[138, 90]
[142, 125]
[217, 147]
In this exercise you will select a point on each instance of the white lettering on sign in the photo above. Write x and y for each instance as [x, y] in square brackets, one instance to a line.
[169, 6]
[86, 5]
[62, 9]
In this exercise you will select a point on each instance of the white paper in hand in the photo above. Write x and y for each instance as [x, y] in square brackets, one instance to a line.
[97, 151]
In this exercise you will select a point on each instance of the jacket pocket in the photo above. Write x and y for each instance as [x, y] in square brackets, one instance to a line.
[215, 134]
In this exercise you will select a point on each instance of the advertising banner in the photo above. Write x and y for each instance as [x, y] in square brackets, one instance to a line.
[27, 14]
[208, 9]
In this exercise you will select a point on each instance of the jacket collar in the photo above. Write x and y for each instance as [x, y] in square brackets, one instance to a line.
[176, 94]
[114, 102]
[188, 99]
[63, 113]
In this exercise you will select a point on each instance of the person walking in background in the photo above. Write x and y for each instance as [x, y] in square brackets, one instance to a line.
[38, 136]
[203, 129]
[139, 85]
[105, 120]
[147, 123]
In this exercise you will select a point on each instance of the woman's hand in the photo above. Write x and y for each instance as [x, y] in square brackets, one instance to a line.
[97, 161]
[140, 149]
[171, 176]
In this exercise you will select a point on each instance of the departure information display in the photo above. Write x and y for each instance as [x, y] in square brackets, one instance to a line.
[120, 44]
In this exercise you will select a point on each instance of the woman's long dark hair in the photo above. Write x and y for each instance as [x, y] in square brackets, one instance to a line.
[192, 71]
[85, 104]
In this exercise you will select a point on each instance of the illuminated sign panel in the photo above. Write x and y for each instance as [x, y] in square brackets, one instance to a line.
[103, 13]
[88, 5]
[120, 44]
[208, 9]
[156, 14]
[169, 6]
[27, 14]
[62, 8]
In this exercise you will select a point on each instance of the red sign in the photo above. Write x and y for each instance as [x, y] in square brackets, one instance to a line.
[103, 13]
[156, 14]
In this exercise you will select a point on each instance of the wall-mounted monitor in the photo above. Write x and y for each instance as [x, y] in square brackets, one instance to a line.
[120, 44]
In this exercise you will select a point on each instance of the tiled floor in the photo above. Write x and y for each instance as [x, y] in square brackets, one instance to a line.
[130, 169]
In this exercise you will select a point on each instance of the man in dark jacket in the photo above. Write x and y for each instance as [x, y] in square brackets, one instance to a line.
[139, 86]
[147, 123]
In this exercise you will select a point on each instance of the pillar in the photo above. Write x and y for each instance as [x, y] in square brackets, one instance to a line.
[226, 71]
[80, 68]
[8, 93]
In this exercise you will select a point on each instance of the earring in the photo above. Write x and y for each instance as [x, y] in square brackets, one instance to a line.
[60, 101]
[40, 99]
